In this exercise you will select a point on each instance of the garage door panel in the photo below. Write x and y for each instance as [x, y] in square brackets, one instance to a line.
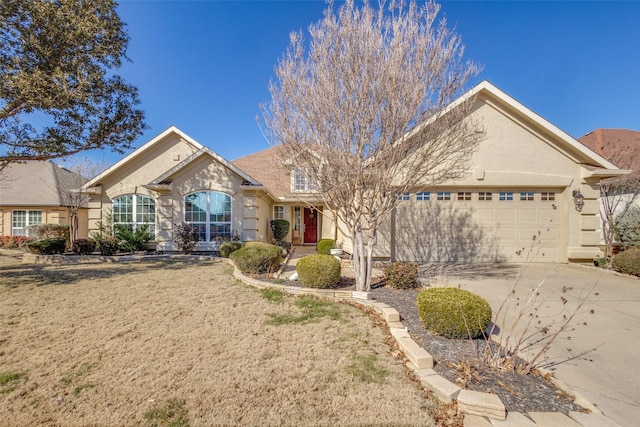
[477, 231]
[527, 214]
[505, 214]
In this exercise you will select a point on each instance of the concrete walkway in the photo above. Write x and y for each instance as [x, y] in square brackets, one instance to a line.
[600, 358]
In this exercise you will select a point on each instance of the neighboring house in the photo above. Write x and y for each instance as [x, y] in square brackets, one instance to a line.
[38, 192]
[521, 184]
[620, 146]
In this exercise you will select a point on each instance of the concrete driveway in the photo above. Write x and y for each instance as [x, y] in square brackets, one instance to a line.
[599, 355]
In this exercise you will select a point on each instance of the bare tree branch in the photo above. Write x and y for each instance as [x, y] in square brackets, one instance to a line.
[364, 109]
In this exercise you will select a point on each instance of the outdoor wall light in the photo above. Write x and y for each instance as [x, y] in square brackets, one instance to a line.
[578, 199]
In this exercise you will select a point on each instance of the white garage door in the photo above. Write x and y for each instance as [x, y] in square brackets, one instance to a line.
[478, 226]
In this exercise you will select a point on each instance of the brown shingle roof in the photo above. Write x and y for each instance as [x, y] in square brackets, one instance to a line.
[620, 146]
[267, 168]
[37, 183]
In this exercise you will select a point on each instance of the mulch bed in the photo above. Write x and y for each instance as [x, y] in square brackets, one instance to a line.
[519, 393]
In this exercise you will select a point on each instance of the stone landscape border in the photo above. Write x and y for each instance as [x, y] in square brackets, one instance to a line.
[479, 409]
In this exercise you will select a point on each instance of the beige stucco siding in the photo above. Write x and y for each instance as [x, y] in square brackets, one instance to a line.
[516, 155]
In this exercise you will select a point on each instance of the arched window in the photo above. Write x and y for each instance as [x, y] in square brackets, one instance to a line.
[210, 213]
[134, 210]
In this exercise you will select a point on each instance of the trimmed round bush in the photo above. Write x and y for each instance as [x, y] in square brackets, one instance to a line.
[83, 246]
[325, 245]
[227, 248]
[401, 275]
[319, 271]
[52, 246]
[628, 262]
[453, 312]
[257, 258]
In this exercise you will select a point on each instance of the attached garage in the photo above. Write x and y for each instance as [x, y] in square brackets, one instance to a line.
[506, 225]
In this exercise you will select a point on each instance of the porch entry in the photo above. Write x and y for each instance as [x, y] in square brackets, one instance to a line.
[310, 229]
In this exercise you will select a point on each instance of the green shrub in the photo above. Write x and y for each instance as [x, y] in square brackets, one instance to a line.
[227, 248]
[325, 245]
[56, 245]
[627, 230]
[257, 258]
[454, 313]
[83, 246]
[279, 229]
[133, 240]
[628, 262]
[401, 275]
[318, 271]
[108, 246]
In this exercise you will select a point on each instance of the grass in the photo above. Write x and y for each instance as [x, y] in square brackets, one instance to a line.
[81, 372]
[366, 369]
[9, 381]
[171, 413]
[273, 295]
[186, 344]
[311, 309]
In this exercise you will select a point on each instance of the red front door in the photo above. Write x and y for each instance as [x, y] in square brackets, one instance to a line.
[310, 225]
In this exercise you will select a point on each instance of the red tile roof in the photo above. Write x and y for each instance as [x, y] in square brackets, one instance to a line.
[620, 146]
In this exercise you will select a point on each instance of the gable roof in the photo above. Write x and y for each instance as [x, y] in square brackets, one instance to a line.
[37, 183]
[542, 127]
[205, 150]
[619, 146]
[142, 149]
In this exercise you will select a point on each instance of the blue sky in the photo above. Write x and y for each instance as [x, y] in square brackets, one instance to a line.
[204, 66]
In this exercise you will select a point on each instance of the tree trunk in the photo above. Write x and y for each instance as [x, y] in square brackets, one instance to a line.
[359, 259]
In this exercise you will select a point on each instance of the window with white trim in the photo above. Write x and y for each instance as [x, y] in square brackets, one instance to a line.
[423, 196]
[21, 220]
[506, 195]
[302, 180]
[444, 195]
[404, 196]
[464, 195]
[485, 196]
[527, 196]
[278, 211]
[297, 217]
[133, 211]
[546, 196]
[210, 213]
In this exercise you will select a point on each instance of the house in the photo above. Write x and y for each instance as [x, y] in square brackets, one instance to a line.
[38, 192]
[528, 178]
[620, 146]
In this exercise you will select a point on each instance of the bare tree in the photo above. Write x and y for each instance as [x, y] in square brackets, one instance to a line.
[70, 180]
[617, 195]
[368, 112]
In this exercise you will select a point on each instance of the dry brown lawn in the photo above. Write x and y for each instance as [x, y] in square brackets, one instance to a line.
[184, 342]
